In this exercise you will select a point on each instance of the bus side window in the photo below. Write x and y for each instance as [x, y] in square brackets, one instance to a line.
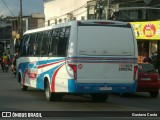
[66, 39]
[24, 46]
[31, 44]
[55, 37]
[45, 42]
[63, 41]
[37, 44]
[50, 43]
[60, 42]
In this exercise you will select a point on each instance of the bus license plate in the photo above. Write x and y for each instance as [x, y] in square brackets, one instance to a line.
[105, 88]
[146, 79]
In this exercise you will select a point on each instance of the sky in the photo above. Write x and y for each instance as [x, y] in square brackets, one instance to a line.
[28, 7]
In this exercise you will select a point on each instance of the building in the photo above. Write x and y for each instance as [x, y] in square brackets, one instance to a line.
[64, 10]
[33, 21]
[5, 34]
[143, 12]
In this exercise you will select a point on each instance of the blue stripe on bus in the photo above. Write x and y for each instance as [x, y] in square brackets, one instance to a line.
[71, 86]
[48, 61]
[74, 87]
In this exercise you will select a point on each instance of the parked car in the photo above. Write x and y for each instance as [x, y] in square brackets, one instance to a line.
[148, 79]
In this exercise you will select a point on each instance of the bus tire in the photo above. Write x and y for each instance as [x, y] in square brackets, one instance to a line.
[48, 93]
[154, 94]
[100, 96]
[51, 96]
[24, 88]
[124, 94]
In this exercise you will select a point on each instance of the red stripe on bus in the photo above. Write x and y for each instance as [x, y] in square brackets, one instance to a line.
[25, 72]
[53, 79]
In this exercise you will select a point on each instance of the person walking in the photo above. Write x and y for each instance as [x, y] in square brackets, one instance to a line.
[14, 60]
[147, 59]
[158, 63]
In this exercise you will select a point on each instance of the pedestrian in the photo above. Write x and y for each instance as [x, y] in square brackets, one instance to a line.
[14, 60]
[147, 59]
[154, 59]
[158, 63]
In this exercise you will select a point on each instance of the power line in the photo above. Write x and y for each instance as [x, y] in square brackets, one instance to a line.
[8, 8]
[69, 12]
[131, 1]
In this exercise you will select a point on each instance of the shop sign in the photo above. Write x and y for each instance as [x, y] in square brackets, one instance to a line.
[147, 30]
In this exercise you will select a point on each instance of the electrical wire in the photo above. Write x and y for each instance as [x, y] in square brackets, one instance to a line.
[127, 16]
[84, 5]
[8, 8]
[131, 1]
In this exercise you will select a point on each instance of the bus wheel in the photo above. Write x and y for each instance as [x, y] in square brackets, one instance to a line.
[124, 94]
[154, 94]
[48, 93]
[24, 88]
[100, 96]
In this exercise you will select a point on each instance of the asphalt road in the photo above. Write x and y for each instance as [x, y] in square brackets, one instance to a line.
[12, 98]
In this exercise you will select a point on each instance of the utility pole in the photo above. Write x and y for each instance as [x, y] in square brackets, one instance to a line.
[99, 9]
[19, 35]
[20, 18]
[107, 9]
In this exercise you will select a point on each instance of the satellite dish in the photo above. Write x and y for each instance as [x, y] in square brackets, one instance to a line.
[147, 1]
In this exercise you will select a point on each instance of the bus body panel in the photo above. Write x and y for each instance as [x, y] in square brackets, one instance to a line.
[99, 69]
[34, 71]
[105, 54]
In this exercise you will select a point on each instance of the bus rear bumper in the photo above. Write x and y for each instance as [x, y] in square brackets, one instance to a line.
[73, 87]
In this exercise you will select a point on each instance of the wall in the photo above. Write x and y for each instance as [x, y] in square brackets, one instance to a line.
[60, 8]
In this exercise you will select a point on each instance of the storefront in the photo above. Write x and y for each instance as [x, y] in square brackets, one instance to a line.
[148, 37]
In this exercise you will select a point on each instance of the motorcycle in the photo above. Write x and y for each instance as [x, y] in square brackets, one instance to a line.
[5, 66]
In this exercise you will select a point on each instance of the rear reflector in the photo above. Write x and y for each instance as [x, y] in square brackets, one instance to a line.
[135, 72]
[74, 68]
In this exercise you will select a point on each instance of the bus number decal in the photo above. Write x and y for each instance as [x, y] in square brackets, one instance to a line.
[32, 71]
[125, 67]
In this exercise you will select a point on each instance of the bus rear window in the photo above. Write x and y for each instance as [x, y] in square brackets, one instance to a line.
[105, 40]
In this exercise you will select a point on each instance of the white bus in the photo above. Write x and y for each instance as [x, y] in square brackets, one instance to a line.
[88, 57]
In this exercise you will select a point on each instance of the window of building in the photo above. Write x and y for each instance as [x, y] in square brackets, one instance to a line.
[91, 10]
[82, 17]
[134, 14]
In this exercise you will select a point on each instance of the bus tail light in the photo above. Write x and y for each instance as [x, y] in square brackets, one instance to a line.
[135, 72]
[74, 68]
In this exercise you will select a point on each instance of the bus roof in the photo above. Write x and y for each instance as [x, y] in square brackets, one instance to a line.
[72, 22]
[47, 28]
